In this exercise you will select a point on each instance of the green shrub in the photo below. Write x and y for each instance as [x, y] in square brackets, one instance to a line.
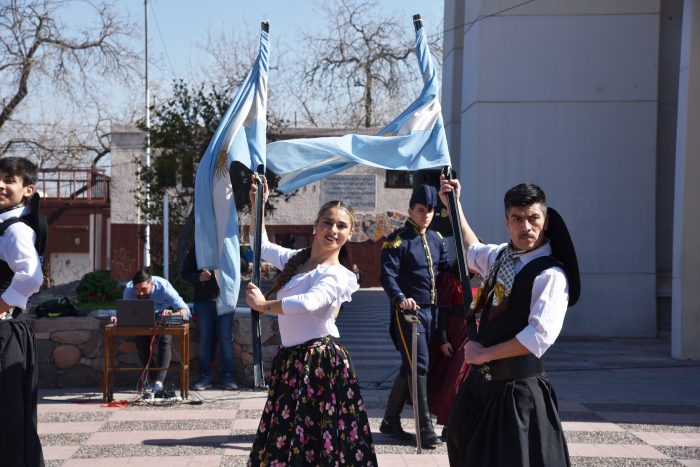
[98, 286]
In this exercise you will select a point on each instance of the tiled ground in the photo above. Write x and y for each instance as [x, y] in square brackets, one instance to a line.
[622, 403]
[219, 431]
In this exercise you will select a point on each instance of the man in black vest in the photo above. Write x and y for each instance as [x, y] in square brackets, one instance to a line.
[506, 411]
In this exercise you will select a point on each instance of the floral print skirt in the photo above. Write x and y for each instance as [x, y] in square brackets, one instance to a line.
[314, 413]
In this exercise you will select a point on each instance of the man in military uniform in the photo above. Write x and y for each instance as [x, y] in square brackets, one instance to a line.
[410, 260]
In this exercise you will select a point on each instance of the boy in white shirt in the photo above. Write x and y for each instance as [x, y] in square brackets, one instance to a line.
[20, 277]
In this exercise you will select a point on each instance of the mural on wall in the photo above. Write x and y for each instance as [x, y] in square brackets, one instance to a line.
[69, 267]
[375, 227]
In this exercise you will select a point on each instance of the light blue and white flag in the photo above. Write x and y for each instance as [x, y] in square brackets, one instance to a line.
[414, 140]
[241, 137]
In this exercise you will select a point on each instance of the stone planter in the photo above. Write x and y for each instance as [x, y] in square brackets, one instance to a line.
[69, 351]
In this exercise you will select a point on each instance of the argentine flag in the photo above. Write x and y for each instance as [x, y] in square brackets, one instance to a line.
[414, 140]
[241, 136]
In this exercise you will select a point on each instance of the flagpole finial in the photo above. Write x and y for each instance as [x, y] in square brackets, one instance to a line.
[265, 26]
[417, 22]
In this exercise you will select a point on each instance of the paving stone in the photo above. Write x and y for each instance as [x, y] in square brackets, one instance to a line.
[63, 439]
[602, 437]
[161, 425]
[608, 420]
[681, 452]
[73, 417]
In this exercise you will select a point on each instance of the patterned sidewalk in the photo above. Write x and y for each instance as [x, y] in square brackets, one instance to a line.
[623, 402]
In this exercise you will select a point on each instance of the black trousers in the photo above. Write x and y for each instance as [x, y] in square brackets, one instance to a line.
[164, 344]
[19, 377]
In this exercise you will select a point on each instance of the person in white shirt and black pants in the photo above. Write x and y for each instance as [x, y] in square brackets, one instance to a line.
[505, 412]
[20, 277]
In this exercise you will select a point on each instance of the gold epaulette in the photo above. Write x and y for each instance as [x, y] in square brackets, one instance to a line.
[393, 244]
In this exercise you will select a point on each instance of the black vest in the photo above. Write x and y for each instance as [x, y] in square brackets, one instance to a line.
[6, 274]
[494, 330]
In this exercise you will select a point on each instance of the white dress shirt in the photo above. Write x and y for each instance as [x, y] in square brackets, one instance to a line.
[550, 294]
[18, 251]
[309, 299]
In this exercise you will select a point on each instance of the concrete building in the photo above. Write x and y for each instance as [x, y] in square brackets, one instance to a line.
[76, 205]
[126, 252]
[598, 103]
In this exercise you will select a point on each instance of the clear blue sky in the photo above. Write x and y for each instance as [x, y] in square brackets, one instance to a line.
[177, 27]
[178, 31]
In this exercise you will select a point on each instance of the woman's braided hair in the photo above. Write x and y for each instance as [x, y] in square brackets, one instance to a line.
[304, 254]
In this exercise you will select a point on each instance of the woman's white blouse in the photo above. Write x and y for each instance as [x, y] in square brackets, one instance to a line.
[309, 299]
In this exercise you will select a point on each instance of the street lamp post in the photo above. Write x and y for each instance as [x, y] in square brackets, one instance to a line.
[147, 229]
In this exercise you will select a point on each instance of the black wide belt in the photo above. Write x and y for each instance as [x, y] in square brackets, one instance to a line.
[511, 368]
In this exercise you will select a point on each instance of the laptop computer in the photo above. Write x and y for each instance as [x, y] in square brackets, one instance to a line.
[136, 312]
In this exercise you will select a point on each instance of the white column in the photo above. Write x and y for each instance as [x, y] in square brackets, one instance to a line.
[564, 94]
[686, 222]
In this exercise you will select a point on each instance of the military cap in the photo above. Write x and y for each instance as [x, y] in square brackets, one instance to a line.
[425, 195]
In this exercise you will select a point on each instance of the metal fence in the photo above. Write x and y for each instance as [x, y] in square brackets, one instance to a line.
[86, 185]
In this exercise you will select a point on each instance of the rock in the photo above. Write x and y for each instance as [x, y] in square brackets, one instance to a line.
[97, 364]
[93, 347]
[268, 352]
[44, 351]
[130, 359]
[68, 323]
[247, 359]
[71, 337]
[126, 347]
[66, 356]
[270, 331]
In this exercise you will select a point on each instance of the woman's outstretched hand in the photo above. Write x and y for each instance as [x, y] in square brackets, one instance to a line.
[254, 298]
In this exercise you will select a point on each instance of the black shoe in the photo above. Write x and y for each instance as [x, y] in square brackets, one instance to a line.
[393, 428]
[443, 435]
[429, 439]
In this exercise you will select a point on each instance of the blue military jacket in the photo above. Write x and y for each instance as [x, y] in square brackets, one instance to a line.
[410, 263]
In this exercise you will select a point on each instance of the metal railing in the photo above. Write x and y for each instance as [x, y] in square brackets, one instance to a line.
[83, 185]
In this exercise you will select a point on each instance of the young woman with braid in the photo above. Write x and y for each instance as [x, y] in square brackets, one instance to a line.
[314, 413]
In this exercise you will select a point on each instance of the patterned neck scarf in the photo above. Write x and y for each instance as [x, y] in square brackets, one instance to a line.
[504, 268]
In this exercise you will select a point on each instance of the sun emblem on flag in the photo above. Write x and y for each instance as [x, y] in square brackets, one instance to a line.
[390, 134]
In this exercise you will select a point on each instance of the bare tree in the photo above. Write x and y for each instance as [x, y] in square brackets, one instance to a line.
[39, 54]
[227, 60]
[360, 69]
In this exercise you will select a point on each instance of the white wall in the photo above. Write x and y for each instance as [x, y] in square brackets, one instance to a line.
[686, 221]
[126, 144]
[564, 94]
[69, 267]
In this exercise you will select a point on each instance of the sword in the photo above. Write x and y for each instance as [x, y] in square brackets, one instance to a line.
[413, 319]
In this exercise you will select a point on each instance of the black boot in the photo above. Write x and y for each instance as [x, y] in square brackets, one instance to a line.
[428, 438]
[391, 424]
